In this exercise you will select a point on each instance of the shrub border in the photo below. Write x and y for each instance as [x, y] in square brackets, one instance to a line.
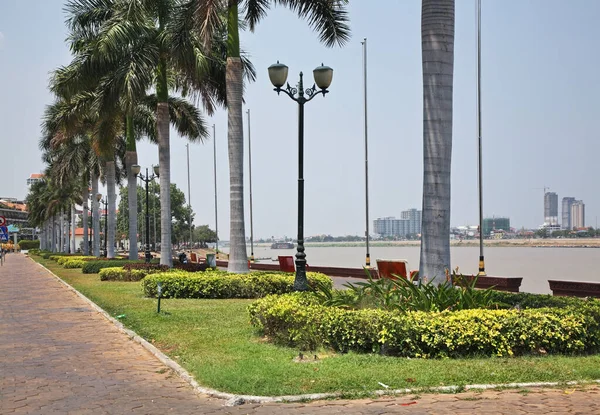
[298, 320]
[234, 400]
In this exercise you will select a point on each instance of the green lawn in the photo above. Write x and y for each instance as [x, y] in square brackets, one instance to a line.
[213, 340]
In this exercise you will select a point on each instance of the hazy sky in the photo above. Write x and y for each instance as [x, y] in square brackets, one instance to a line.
[540, 86]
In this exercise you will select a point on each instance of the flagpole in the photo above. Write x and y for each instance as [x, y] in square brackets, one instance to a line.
[368, 254]
[479, 164]
[215, 174]
[250, 177]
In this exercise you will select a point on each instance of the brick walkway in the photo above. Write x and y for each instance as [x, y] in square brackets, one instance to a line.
[58, 355]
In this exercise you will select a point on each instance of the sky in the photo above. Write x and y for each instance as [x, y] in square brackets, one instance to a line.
[539, 124]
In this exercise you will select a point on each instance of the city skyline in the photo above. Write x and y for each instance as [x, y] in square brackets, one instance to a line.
[522, 117]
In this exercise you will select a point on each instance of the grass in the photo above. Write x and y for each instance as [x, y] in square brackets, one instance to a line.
[214, 341]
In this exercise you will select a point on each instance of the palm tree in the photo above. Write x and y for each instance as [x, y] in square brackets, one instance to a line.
[138, 40]
[437, 36]
[325, 16]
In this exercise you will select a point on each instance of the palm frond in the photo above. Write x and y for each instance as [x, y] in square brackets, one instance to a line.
[327, 17]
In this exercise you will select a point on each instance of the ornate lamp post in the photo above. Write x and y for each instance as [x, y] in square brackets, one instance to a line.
[135, 169]
[323, 75]
[105, 203]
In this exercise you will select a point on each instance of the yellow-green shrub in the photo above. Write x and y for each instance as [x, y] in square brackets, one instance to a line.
[74, 263]
[299, 320]
[61, 260]
[219, 284]
[121, 274]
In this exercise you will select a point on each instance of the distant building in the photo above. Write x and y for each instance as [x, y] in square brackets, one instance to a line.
[578, 214]
[495, 224]
[408, 224]
[414, 218]
[34, 178]
[551, 208]
[567, 202]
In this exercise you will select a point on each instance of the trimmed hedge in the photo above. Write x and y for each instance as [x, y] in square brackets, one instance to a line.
[75, 263]
[527, 300]
[94, 267]
[145, 266]
[121, 274]
[219, 284]
[298, 320]
[29, 244]
[62, 260]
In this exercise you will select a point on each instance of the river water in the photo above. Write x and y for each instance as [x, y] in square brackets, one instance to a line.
[535, 265]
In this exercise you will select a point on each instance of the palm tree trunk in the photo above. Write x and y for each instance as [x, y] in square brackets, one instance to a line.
[55, 235]
[238, 258]
[73, 225]
[164, 164]
[437, 37]
[84, 217]
[112, 210]
[61, 235]
[130, 160]
[96, 216]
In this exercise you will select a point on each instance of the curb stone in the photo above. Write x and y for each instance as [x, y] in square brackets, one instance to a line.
[235, 400]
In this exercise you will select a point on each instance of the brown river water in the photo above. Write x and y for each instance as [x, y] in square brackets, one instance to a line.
[535, 265]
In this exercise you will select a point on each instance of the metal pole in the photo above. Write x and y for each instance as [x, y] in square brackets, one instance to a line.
[148, 255]
[479, 164]
[250, 176]
[215, 174]
[300, 283]
[154, 220]
[189, 194]
[368, 255]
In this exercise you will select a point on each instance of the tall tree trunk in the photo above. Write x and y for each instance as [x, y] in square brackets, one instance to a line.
[112, 208]
[73, 225]
[95, 216]
[84, 218]
[130, 160]
[164, 164]
[55, 234]
[437, 37]
[238, 258]
[61, 235]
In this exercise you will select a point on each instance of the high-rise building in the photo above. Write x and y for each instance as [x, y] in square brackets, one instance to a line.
[550, 208]
[578, 214]
[414, 217]
[567, 202]
[409, 224]
[495, 224]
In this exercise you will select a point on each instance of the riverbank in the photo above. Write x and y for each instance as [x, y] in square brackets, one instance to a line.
[530, 243]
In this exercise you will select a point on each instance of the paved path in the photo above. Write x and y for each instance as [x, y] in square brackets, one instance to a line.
[58, 355]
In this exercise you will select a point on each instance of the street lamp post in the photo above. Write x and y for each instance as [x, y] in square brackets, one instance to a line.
[136, 171]
[278, 75]
[105, 203]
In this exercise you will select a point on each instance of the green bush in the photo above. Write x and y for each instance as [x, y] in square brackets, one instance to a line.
[62, 260]
[403, 294]
[74, 263]
[123, 274]
[93, 267]
[219, 284]
[299, 320]
[28, 244]
[527, 300]
[54, 256]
